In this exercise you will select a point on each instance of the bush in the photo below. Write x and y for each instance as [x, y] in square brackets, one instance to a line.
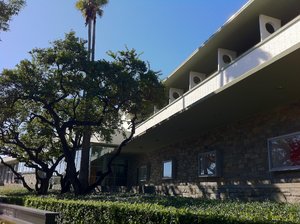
[13, 190]
[13, 200]
[136, 209]
[78, 211]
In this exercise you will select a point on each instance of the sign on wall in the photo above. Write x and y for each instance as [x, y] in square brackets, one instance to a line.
[284, 152]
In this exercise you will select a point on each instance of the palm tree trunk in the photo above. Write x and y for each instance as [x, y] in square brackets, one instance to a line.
[89, 38]
[86, 141]
[84, 172]
[94, 39]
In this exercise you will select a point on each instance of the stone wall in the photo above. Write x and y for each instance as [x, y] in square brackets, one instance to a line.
[244, 160]
[284, 192]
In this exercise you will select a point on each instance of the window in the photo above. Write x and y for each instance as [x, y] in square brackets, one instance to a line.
[143, 173]
[284, 152]
[208, 164]
[168, 169]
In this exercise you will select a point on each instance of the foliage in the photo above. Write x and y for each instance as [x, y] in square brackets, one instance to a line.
[8, 8]
[15, 200]
[30, 142]
[27, 139]
[43, 101]
[13, 190]
[130, 211]
[91, 8]
[18, 191]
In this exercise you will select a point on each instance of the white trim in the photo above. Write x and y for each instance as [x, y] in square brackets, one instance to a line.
[234, 72]
[229, 20]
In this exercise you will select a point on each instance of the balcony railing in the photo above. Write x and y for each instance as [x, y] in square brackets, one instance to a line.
[284, 41]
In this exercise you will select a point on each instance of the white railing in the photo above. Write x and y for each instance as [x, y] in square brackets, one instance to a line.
[287, 38]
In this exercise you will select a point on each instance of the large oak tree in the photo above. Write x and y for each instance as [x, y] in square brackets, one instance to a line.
[54, 87]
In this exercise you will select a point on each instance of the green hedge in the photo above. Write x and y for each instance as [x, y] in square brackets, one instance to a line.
[16, 200]
[119, 213]
[80, 211]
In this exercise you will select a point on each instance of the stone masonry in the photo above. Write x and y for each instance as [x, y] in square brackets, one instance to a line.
[243, 161]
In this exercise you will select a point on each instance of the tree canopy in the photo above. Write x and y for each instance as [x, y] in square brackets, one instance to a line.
[9, 8]
[43, 100]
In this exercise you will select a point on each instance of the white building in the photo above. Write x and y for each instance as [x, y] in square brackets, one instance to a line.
[231, 128]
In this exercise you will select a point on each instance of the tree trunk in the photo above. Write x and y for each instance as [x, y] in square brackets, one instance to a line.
[111, 160]
[43, 186]
[43, 181]
[72, 177]
[94, 39]
[89, 38]
[65, 185]
[18, 175]
[71, 173]
[87, 134]
[85, 158]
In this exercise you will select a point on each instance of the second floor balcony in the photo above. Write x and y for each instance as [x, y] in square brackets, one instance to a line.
[271, 49]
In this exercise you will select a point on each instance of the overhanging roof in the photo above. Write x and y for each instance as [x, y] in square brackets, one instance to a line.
[241, 30]
[259, 90]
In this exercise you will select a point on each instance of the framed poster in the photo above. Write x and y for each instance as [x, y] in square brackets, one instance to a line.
[284, 152]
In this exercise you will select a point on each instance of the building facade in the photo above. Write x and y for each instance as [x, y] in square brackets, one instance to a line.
[232, 125]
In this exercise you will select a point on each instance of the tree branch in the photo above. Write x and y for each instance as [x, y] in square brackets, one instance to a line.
[19, 176]
[73, 122]
[115, 155]
[42, 118]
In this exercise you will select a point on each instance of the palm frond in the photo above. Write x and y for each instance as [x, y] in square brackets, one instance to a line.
[91, 8]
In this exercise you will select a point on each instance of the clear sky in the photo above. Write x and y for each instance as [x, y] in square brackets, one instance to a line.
[167, 31]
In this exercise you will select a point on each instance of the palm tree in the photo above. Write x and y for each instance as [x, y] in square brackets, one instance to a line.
[89, 9]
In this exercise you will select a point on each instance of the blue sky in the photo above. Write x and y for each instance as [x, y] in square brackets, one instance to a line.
[167, 31]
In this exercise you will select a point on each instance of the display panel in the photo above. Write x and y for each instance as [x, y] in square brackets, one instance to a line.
[208, 164]
[284, 152]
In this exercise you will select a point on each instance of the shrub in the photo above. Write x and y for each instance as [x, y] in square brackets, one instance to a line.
[13, 190]
[78, 211]
[134, 209]
[16, 200]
